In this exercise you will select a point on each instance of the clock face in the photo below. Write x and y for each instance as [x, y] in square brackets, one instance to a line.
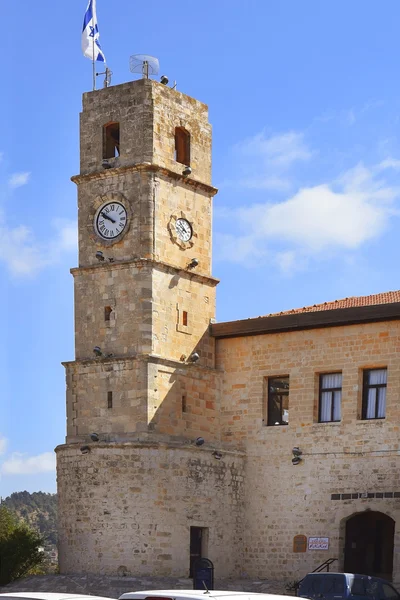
[110, 220]
[183, 230]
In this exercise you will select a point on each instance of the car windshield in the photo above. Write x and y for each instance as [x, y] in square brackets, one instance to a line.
[326, 585]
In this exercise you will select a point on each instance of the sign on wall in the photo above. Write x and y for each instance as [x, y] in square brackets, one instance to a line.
[318, 543]
[299, 543]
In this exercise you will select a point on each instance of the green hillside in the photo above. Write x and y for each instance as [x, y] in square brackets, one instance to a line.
[39, 510]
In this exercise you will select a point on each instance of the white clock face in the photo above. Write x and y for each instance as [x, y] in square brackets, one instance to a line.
[111, 220]
[183, 230]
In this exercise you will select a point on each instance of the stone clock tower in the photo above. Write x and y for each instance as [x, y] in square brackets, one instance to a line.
[135, 491]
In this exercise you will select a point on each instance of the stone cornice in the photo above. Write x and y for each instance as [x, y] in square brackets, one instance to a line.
[150, 168]
[148, 358]
[154, 443]
[144, 262]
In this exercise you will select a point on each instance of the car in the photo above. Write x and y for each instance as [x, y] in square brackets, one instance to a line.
[199, 595]
[49, 596]
[346, 586]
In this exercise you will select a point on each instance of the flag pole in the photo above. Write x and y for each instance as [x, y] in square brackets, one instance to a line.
[93, 64]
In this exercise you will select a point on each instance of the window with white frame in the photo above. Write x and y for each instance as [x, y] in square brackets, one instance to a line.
[330, 397]
[374, 394]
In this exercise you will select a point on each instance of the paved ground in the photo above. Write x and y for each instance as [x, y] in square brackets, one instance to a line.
[113, 587]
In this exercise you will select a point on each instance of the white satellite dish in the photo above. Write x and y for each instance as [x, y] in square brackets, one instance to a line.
[144, 64]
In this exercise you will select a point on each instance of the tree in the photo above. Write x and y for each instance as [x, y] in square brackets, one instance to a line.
[38, 510]
[20, 547]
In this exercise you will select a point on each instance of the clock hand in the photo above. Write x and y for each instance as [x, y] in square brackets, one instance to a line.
[105, 216]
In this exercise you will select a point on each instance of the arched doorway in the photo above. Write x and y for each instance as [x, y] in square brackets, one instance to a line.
[369, 544]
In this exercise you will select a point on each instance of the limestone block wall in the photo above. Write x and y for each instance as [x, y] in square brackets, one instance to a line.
[148, 113]
[173, 109]
[134, 189]
[131, 506]
[303, 356]
[283, 501]
[147, 395]
[184, 401]
[126, 290]
[131, 105]
[348, 457]
[183, 306]
[176, 200]
[88, 386]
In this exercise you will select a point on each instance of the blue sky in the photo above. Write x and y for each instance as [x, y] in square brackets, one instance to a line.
[304, 102]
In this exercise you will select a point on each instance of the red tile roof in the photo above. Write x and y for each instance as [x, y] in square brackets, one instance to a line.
[354, 301]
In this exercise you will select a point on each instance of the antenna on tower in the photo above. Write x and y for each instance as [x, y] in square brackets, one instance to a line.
[107, 79]
[145, 64]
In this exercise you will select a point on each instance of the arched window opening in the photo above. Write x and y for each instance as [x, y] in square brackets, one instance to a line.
[182, 146]
[111, 140]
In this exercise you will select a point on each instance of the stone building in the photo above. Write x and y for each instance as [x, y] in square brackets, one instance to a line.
[268, 445]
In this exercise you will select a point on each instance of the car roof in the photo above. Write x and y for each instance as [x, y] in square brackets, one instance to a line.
[198, 594]
[50, 596]
[329, 573]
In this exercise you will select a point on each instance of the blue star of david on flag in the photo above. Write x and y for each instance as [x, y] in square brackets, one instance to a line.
[90, 34]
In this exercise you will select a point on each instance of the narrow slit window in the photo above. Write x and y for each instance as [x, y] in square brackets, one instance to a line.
[107, 313]
[111, 140]
[110, 400]
[184, 403]
[182, 146]
[184, 318]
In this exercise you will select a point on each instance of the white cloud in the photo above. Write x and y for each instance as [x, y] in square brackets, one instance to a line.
[18, 463]
[23, 255]
[22, 464]
[269, 182]
[17, 250]
[320, 217]
[265, 160]
[238, 249]
[280, 150]
[287, 262]
[326, 218]
[3, 445]
[390, 163]
[67, 235]
[20, 250]
[18, 179]
[350, 116]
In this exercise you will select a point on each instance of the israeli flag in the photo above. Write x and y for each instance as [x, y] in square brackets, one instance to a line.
[90, 34]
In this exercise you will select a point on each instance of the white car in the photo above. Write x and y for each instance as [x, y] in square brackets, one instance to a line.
[199, 595]
[49, 596]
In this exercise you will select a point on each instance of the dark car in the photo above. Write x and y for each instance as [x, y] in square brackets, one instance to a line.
[346, 586]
